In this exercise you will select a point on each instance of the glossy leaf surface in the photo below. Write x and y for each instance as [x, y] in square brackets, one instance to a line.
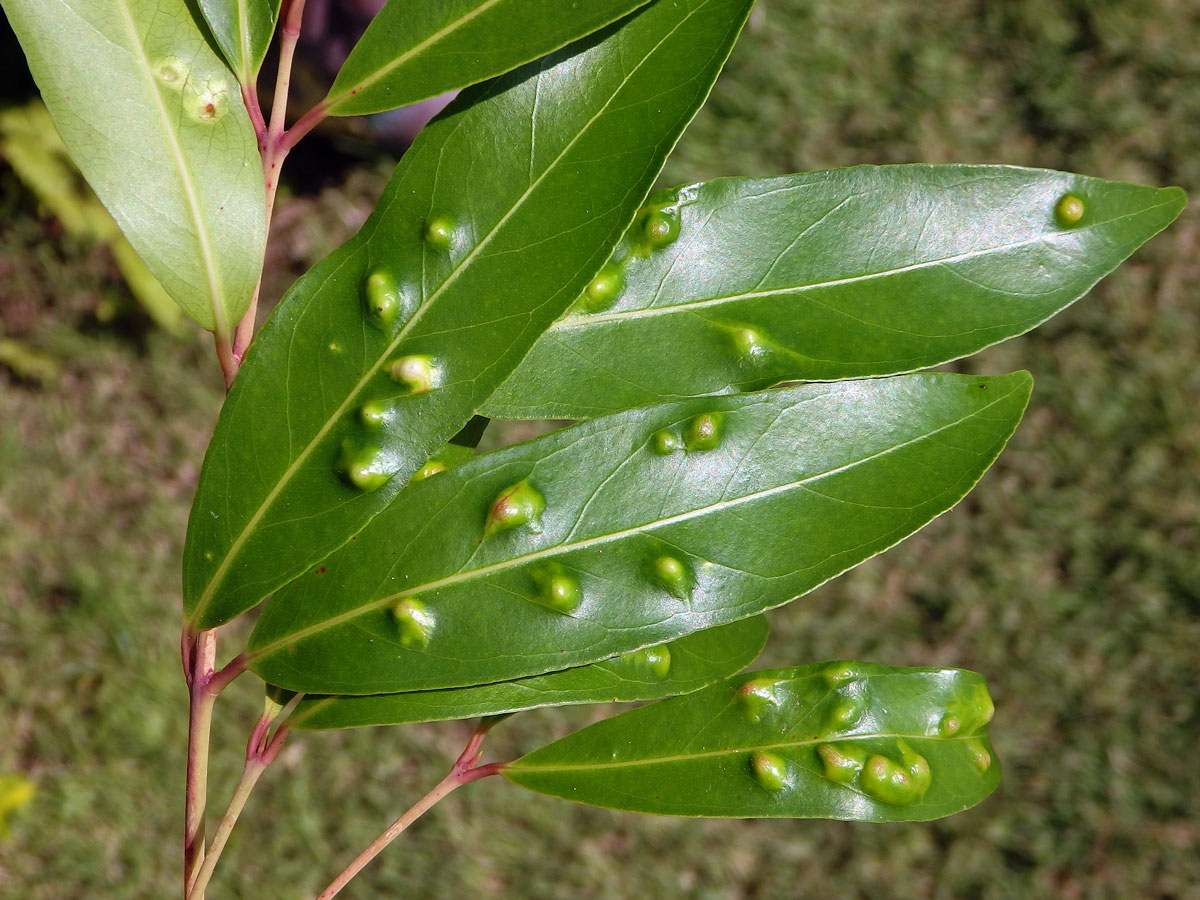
[678, 667]
[853, 741]
[416, 49]
[243, 30]
[841, 274]
[155, 122]
[386, 348]
[670, 519]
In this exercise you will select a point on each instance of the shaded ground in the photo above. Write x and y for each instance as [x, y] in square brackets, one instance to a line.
[1070, 578]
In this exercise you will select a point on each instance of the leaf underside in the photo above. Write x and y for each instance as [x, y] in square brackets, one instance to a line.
[664, 526]
[853, 741]
[135, 80]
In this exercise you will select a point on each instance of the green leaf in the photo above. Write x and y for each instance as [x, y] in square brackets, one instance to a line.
[853, 741]
[670, 519]
[243, 29]
[533, 178]
[155, 122]
[678, 667]
[416, 49]
[841, 274]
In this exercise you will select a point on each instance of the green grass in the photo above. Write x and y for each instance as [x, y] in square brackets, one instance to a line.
[1070, 577]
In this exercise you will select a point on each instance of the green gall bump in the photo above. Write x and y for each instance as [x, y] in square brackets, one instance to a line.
[417, 373]
[363, 467]
[748, 342]
[518, 504]
[758, 697]
[843, 715]
[413, 621]
[770, 770]
[604, 289]
[918, 768]
[660, 228]
[983, 708]
[665, 442]
[655, 660]
[901, 784]
[430, 468]
[439, 232]
[980, 758]
[373, 415]
[382, 298]
[968, 713]
[658, 661]
[841, 764]
[704, 432]
[1068, 212]
[558, 588]
[839, 673]
[674, 575]
[886, 781]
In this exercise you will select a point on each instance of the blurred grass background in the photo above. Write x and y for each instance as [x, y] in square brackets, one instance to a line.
[1070, 577]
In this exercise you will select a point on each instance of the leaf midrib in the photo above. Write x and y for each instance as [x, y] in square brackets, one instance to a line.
[586, 543]
[730, 751]
[269, 500]
[191, 198]
[654, 311]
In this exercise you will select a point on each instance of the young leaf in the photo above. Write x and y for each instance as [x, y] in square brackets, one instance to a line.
[135, 80]
[416, 49]
[678, 667]
[494, 221]
[841, 274]
[839, 740]
[670, 519]
[243, 30]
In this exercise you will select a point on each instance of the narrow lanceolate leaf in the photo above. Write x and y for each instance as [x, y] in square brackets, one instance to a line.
[664, 520]
[416, 49]
[842, 274]
[155, 122]
[839, 740]
[494, 221]
[677, 667]
[243, 29]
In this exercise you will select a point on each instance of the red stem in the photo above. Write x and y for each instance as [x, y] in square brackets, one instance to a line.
[250, 98]
[464, 771]
[199, 652]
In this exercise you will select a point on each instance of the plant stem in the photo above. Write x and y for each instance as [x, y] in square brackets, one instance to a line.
[226, 358]
[464, 771]
[283, 78]
[304, 125]
[199, 660]
[273, 144]
[260, 753]
[199, 650]
[250, 98]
